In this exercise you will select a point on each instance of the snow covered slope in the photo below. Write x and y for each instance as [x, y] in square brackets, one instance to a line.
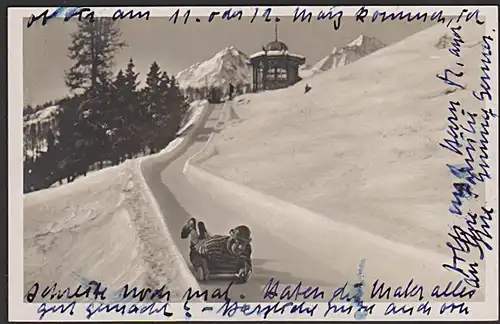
[36, 127]
[358, 48]
[102, 227]
[362, 146]
[227, 66]
[41, 116]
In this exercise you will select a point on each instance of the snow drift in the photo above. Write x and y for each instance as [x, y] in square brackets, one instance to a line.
[358, 48]
[227, 66]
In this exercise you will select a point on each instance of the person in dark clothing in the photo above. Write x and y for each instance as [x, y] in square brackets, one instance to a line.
[202, 231]
[232, 250]
[189, 230]
[231, 91]
[229, 249]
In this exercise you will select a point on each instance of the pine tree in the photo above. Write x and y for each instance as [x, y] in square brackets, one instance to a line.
[73, 150]
[102, 120]
[163, 112]
[152, 101]
[93, 47]
[131, 77]
[116, 129]
[178, 107]
[92, 50]
[132, 113]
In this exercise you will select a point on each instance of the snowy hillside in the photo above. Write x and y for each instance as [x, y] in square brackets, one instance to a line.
[358, 48]
[41, 116]
[227, 66]
[36, 127]
[362, 146]
[101, 227]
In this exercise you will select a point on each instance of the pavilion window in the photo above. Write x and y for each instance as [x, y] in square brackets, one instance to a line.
[282, 74]
[270, 74]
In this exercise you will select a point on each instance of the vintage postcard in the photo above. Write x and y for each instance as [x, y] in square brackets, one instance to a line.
[253, 163]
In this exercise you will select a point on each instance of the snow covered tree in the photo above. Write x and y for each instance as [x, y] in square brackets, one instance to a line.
[93, 47]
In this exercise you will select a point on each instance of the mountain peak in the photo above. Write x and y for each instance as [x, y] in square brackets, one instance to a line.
[229, 65]
[358, 41]
[231, 50]
[364, 40]
[361, 46]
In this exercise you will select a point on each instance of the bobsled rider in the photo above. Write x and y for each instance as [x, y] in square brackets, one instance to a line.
[234, 247]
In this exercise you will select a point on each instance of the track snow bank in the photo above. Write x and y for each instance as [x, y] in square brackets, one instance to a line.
[107, 227]
[340, 246]
[150, 170]
[362, 146]
[208, 149]
[101, 228]
[357, 202]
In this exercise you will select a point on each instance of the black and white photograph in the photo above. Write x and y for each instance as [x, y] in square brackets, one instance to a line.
[256, 158]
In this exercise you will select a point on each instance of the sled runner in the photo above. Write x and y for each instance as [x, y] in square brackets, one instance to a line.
[209, 269]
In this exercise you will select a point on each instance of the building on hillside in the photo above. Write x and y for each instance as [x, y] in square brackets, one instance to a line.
[275, 67]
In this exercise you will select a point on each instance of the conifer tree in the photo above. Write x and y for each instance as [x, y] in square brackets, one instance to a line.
[102, 120]
[163, 112]
[132, 109]
[131, 77]
[92, 49]
[74, 146]
[83, 123]
[152, 101]
[116, 126]
[178, 106]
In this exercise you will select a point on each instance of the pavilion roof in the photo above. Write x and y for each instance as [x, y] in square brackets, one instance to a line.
[276, 53]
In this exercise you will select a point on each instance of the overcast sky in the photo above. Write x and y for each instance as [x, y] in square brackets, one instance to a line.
[176, 47]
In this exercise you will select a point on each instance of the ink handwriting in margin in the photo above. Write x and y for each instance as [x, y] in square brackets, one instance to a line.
[354, 296]
[120, 301]
[96, 292]
[287, 301]
[305, 15]
[228, 14]
[204, 295]
[477, 234]
[408, 16]
[299, 14]
[412, 289]
[83, 14]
